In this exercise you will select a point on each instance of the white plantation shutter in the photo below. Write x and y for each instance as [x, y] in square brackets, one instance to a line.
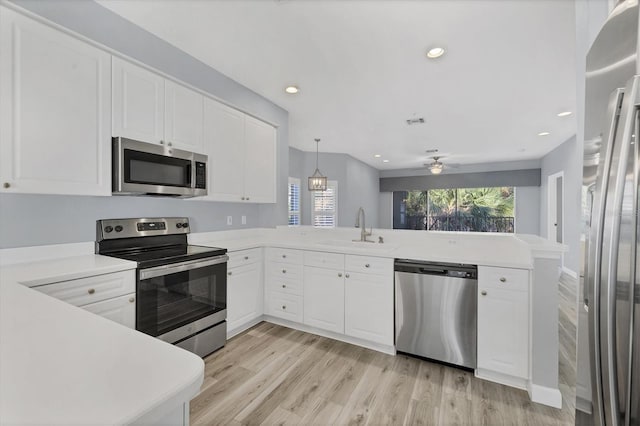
[294, 201]
[325, 206]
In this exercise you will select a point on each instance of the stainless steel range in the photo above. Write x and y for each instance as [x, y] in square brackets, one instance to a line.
[181, 288]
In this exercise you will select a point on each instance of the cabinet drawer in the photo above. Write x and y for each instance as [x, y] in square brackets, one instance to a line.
[285, 306]
[277, 270]
[503, 278]
[284, 285]
[282, 255]
[92, 289]
[369, 265]
[324, 260]
[244, 257]
[119, 309]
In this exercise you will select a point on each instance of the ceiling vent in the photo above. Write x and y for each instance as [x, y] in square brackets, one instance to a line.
[415, 121]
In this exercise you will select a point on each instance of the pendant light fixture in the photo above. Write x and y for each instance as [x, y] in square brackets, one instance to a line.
[317, 181]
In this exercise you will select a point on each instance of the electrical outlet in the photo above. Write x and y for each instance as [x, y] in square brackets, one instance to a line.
[229, 220]
[244, 220]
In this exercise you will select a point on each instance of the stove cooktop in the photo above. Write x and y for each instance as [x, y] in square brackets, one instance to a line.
[149, 257]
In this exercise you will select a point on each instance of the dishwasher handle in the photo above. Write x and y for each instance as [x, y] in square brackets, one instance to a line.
[442, 269]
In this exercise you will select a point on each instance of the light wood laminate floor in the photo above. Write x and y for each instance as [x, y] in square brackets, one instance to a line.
[275, 375]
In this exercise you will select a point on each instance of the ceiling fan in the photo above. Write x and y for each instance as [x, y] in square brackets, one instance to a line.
[436, 166]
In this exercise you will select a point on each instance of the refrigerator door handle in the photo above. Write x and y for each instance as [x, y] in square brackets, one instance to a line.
[610, 248]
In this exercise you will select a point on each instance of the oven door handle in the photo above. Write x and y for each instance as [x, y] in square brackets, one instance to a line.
[174, 268]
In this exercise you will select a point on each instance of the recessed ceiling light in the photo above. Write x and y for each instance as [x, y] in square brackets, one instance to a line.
[435, 52]
[385, 161]
[544, 134]
[291, 89]
[564, 113]
[377, 155]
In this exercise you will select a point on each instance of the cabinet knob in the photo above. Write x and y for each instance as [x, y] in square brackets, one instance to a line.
[169, 144]
[347, 275]
[367, 265]
[246, 258]
[161, 142]
[339, 274]
[483, 292]
[284, 256]
[6, 185]
[132, 299]
[284, 306]
[503, 280]
[284, 271]
[284, 286]
[91, 290]
[242, 198]
[229, 273]
[247, 198]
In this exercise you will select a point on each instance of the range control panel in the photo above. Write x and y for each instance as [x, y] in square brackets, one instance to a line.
[108, 229]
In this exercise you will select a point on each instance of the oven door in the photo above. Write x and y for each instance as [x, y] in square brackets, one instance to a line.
[178, 300]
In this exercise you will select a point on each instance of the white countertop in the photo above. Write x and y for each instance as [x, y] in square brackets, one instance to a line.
[60, 364]
[502, 250]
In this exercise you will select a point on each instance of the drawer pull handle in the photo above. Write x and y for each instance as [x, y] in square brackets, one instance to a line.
[503, 280]
[339, 274]
[6, 185]
[229, 273]
[91, 290]
[246, 258]
[483, 292]
[284, 256]
[346, 275]
[131, 300]
[367, 265]
[284, 271]
[284, 306]
[284, 286]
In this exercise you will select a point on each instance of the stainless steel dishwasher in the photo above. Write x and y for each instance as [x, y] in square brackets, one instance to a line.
[436, 305]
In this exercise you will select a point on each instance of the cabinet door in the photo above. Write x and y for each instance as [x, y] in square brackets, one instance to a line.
[184, 117]
[368, 307]
[138, 102]
[260, 167]
[119, 309]
[503, 331]
[244, 294]
[324, 299]
[224, 144]
[55, 108]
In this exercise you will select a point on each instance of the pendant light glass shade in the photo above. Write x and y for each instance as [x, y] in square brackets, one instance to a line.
[317, 181]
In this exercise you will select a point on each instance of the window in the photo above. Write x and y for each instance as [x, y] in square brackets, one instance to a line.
[294, 201]
[457, 209]
[325, 206]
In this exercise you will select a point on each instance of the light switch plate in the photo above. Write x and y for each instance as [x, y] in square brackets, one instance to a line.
[244, 220]
[229, 220]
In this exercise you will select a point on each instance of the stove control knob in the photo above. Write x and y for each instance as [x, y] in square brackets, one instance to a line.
[118, 228]
[178, 225]
[108, 229]
[185, 225]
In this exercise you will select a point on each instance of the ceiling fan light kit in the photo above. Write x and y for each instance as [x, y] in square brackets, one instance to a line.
[436, 167]
[317, 181]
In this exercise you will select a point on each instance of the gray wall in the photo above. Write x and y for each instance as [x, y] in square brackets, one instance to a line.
[37, 219]
[358, 184]
[567, 159]
[527, 197]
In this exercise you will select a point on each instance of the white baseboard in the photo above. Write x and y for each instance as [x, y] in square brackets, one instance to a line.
[239, 329]
[545, 395]
[503, 379]
[570, 272]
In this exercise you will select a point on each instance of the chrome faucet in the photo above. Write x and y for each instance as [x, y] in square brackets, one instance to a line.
[363, 229]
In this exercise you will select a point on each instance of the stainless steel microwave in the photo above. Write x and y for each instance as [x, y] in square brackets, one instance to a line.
[141, 168]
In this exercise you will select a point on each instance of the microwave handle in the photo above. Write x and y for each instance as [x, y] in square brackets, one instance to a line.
[174, 268]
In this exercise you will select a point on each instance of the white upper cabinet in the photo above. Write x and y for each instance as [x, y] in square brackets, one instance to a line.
[55, 111]
[242, 155]
[184, 114]
[138, 102]
[224, 144]
[149, 108]
[260, 170]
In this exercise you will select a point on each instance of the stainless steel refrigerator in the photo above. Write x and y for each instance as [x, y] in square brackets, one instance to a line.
[608, 364]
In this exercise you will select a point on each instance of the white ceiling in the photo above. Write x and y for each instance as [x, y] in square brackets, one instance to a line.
[362, 70]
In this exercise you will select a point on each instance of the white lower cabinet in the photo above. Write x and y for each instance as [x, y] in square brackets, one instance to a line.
[244, 295]
[285, 306]
[119, 309]
[503, 324]
[109, 295]
[324, 298]
[368, 307]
